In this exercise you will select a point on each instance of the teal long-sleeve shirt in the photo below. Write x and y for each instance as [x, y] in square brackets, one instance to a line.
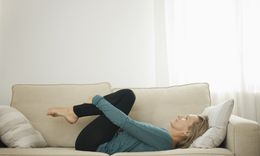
[135, 136]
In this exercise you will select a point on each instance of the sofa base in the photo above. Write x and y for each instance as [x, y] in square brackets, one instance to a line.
[52, 151]
[48, 151]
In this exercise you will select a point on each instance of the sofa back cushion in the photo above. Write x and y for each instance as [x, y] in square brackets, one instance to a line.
[34, 100]
[162, 104]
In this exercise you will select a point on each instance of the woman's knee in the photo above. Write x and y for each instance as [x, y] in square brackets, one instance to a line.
[129, 94]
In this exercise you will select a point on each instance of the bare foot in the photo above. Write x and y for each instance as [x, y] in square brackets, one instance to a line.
[66, 112]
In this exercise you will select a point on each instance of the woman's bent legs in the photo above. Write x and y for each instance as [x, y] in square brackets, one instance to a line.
[101, 129]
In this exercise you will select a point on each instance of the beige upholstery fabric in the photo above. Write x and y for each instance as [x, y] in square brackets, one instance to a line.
[182, 152]
[243, 137]
[160, 105]
[50, 151]
[34, 100]
[72, 152]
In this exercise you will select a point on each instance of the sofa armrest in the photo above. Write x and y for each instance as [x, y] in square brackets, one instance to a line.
[243, 137]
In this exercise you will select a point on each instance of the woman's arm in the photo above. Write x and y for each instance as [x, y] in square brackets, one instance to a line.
[147, 133]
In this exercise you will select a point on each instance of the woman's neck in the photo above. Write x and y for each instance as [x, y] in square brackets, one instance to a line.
[177, 136]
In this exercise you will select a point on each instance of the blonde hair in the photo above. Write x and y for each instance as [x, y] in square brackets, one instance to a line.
[196, 130]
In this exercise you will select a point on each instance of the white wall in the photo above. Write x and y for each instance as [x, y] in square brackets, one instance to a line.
[77, 41]
[1, 41]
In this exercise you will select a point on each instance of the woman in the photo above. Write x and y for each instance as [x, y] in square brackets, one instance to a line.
[113, 131]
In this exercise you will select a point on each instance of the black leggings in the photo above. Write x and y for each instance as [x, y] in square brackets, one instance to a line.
[101, 129]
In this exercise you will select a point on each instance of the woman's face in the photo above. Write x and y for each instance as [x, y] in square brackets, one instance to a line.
[182, 123]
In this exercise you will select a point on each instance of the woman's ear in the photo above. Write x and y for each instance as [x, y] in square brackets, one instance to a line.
[186, 133]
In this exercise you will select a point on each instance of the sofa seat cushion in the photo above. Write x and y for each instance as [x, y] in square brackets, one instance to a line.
[48, 151]
[182, 152]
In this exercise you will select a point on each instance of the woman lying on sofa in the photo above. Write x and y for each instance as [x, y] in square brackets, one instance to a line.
[114, 131]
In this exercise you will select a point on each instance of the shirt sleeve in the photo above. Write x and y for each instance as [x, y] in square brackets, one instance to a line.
[147, 133]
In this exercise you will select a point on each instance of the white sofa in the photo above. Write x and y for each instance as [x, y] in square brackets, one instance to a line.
[154, 105]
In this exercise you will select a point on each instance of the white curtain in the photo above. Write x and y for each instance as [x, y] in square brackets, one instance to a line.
[214, 41]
